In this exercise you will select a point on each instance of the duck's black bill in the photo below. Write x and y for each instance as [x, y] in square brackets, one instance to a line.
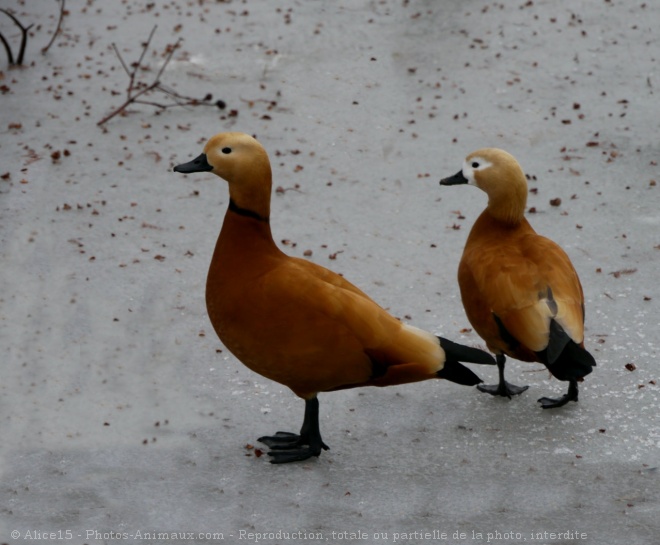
[198, 164]
[456, 179]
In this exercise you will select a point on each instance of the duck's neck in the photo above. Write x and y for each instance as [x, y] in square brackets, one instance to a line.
[244, 231]
[489, 227]
[507, 202]
[246, 212]
[245, 246]
[249, 194]
[507, 211]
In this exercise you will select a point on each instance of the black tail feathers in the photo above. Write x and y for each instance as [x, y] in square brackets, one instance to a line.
[574, 363]
[564, 358]
[460, 352]
[458, 373]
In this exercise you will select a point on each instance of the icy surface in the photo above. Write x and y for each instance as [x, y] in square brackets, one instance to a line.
[121, 414]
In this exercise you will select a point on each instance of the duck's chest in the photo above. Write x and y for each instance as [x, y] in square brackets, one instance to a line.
[492, 241]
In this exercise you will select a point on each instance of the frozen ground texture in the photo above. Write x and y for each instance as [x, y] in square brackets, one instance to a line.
[120, 411]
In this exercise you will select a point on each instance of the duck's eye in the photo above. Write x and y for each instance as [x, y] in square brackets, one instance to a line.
[226, 150]
[475, 164]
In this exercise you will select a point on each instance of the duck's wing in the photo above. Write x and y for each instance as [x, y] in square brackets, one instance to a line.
[346, 337]
[515, 291]
[326, 275]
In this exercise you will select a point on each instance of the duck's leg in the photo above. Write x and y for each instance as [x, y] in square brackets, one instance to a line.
[290, 447]
[554, 402]
[503, 388]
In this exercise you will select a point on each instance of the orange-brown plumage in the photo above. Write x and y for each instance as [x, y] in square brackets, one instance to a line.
[299, 324]
[520, 290]
[296, 322]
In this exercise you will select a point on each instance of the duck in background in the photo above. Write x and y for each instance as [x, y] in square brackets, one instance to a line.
[298, 323]
[520, 290]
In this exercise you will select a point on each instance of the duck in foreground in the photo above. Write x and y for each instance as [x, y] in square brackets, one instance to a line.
[519, 289]
[296, 322]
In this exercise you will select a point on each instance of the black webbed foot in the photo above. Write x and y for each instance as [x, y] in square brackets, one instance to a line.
[281, 439]
[288, 456]
[554, 402]
[290, 447]
[504, 389]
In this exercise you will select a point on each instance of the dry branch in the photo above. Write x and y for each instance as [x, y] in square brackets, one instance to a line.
[24, 36]
[136, 89]
[57, 29]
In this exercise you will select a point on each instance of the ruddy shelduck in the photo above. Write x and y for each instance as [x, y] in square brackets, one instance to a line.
[519, 289]
[296, 322]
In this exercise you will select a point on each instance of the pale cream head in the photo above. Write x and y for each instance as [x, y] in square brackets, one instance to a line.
[241, 161]
[498, 174]
[235, 154]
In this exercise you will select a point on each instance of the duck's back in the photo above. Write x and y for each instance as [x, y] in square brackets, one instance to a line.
[514, 275]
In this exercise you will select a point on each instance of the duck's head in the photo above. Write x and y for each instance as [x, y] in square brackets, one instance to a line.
[243, 163]
[498, 174]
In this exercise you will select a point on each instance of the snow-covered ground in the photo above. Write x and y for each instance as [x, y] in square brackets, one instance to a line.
[121, 414]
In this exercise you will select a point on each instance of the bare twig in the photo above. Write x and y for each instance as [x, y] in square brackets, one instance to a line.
[24, 37]
[146, 45]
[128, 72]
[44, 50]
[168, 58]
[137, 89]
[10, 55]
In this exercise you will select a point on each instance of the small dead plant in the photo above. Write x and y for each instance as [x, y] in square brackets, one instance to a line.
[138, 91]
